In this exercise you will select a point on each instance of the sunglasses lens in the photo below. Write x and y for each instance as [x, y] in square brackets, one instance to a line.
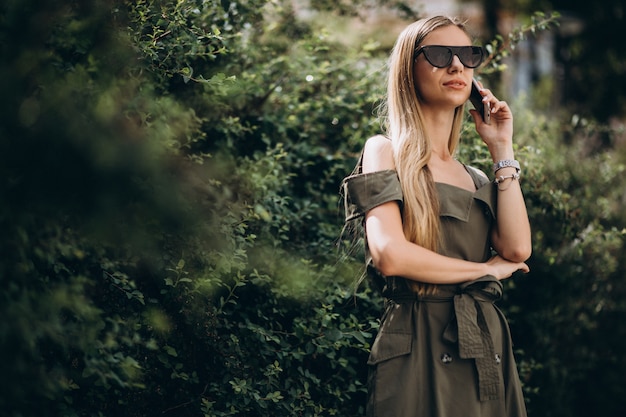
[441, 56]
[438, 56]
[470, 56]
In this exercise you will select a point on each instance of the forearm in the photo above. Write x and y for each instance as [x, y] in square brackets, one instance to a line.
[512, 235]
[394, 255]
[414, 262]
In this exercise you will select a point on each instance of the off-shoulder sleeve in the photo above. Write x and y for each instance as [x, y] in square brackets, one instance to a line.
[363, 192]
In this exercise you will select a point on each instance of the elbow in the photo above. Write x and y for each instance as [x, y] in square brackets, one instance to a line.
[385, 267]
[520, 253]
[384, 261]
[517, 248]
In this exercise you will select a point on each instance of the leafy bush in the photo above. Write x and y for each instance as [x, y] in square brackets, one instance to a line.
[171, 218]
[158, 253]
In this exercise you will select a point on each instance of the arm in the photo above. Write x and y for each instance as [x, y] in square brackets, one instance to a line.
[393, 255]
[511, 236]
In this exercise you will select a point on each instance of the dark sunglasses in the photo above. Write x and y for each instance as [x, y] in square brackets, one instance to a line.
[441, 56]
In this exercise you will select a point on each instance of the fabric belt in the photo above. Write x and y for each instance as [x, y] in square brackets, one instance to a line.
[468, 328]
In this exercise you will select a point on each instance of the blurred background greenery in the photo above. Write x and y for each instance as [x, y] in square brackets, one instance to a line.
[170, 210]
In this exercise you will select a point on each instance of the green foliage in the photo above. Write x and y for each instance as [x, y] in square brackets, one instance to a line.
[574, 290]
[158, 250]
[171, 217]
[501, 47]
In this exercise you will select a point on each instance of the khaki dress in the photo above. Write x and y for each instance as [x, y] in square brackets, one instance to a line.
[448, 354]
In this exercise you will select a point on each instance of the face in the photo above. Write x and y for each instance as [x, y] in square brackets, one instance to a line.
[444, 88]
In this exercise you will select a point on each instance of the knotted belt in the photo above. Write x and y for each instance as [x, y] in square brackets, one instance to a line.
[469, 329]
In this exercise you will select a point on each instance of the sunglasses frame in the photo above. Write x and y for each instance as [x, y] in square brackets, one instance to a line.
[453, 50]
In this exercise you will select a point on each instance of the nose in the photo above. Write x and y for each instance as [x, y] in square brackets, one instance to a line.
[456, 64]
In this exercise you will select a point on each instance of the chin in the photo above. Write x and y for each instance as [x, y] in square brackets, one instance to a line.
[459, 103]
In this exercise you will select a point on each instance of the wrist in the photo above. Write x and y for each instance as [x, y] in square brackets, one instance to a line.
[502, 152]
[487, 269]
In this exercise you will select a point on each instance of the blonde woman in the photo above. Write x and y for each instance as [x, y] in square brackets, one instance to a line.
[440, 235]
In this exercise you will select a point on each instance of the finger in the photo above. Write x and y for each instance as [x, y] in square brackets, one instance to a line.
[486, 93]
[476, 116]
[488, 96]
[500, 106]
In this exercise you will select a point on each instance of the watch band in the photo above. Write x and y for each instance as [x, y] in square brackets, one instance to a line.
[506, 163]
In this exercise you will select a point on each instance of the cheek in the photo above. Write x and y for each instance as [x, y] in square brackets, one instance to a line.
[419, 81]
[423, 78]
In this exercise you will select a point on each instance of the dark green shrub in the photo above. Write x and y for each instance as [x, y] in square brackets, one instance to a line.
[171, 218]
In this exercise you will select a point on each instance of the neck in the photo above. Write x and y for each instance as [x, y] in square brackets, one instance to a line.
[438, 126]
[442, 155]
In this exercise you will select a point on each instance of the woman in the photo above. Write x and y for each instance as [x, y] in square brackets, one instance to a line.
[440, 236]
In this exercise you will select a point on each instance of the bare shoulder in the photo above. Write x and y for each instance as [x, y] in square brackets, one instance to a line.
[378, 154]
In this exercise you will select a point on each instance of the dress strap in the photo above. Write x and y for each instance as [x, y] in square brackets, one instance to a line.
[479, 177]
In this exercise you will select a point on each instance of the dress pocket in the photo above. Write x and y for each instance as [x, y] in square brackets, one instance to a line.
[389, 345]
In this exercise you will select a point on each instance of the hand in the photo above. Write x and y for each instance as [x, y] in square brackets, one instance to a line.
[498, 136]
[503, 269]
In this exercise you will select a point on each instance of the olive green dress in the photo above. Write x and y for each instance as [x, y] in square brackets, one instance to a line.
[448, 354]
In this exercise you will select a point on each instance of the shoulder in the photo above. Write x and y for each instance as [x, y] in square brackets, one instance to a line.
[378, 154]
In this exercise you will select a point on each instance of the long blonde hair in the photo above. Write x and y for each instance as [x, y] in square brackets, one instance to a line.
[403, 121]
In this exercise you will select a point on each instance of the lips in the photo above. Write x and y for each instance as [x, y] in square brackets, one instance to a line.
[455, 84]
